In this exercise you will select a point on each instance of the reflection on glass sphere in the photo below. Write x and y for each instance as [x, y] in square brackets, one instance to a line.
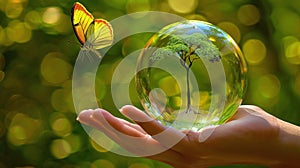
[191, 74]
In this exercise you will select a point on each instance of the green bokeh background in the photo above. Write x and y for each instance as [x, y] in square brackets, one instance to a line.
[38, 126]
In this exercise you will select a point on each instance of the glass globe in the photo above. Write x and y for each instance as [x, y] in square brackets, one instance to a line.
[191, 74]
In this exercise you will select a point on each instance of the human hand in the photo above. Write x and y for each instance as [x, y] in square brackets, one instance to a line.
[251, 136]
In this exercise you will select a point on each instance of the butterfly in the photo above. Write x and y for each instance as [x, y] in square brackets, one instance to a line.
[91, 33]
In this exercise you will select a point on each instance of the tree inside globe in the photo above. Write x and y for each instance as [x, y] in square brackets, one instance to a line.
[191, 74]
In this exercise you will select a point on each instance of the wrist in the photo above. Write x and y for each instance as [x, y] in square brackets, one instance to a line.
[289, 144]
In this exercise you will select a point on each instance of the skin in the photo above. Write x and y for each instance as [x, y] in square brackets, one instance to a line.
[251, 136]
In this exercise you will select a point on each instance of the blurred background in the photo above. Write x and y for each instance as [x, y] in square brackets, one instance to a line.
[38, 126]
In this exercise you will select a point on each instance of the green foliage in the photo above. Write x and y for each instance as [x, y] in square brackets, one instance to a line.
[189, 48]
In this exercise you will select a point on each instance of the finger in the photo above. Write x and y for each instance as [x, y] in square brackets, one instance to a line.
[135, 126]
[86, 117]
[253, 110]
[121, 121]
[117, 124]
[126, 136]
[148, 124]
[167, 136]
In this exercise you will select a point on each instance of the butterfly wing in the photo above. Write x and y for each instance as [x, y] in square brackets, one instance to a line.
[81, 21]
[100, 34]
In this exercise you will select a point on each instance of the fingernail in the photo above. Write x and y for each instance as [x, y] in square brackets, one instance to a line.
[134, 114]
[122, 110]
[123, 107]
[84, 115]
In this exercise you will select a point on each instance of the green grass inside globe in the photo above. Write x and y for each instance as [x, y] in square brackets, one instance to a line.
[191, 74]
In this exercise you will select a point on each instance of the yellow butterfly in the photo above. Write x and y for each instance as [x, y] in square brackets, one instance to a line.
[91, 33]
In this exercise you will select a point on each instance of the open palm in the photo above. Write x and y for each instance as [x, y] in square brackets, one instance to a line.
[249, 137]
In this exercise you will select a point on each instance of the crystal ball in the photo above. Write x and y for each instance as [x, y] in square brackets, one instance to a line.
[191, 74]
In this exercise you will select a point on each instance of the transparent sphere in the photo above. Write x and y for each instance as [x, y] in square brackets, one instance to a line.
[191, 74]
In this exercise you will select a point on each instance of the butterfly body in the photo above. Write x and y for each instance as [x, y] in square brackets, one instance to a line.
[91, 33]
